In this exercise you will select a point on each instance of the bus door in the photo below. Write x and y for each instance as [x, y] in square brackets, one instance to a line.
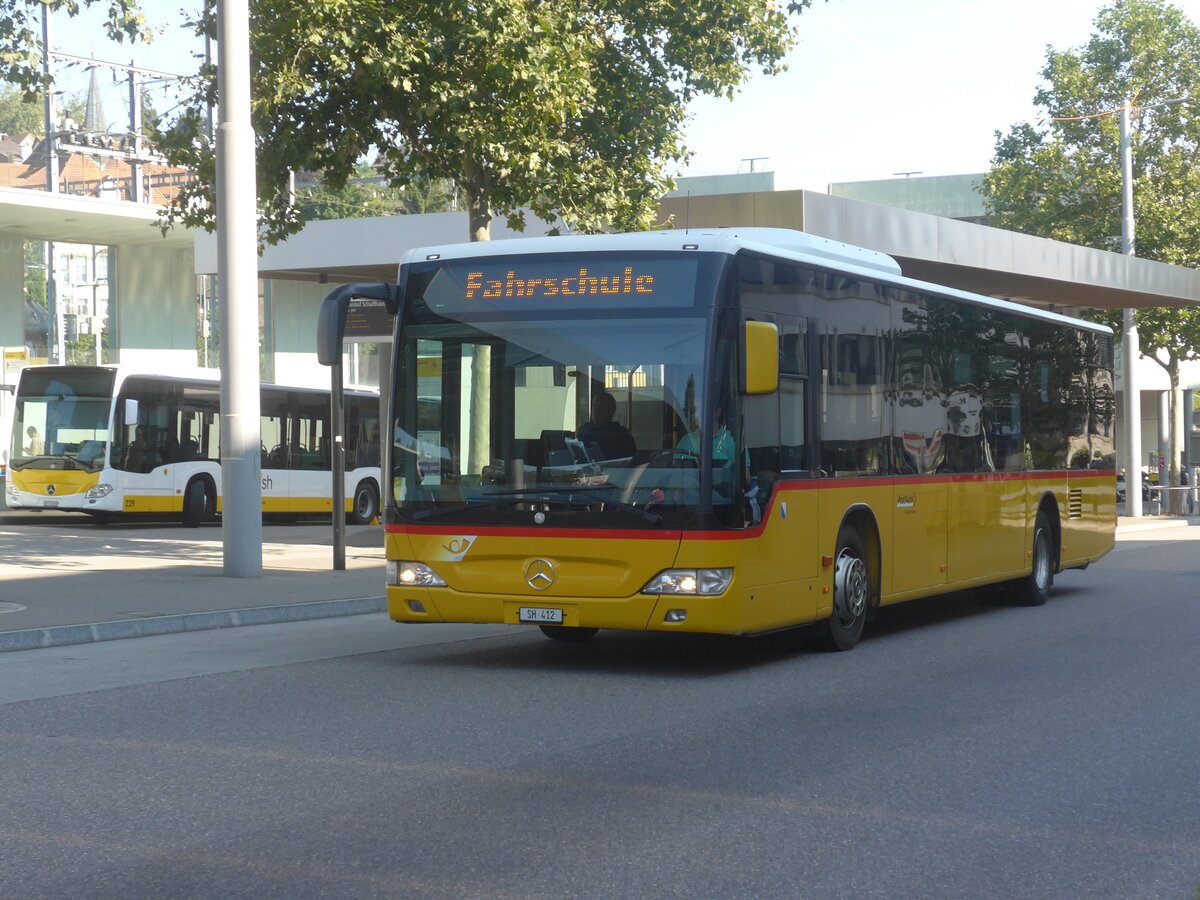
[197, 435]
[309, 451]
[777, 430]
[919, 428]
[143, 445]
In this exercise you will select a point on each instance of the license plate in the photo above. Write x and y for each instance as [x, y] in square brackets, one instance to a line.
[49, 504]
[540, 615]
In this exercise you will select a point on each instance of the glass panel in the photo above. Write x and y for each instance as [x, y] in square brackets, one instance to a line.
[572, 417]
[61, 419]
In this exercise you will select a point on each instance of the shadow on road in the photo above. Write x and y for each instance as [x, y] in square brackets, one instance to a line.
[673, 656]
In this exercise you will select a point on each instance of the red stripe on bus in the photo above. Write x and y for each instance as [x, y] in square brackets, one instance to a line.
[743, 534]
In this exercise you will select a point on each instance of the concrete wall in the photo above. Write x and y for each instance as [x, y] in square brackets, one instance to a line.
[12, 292]
[294, 306]
[156, 307]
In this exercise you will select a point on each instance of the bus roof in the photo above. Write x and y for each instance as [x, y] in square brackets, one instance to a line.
[784, 243]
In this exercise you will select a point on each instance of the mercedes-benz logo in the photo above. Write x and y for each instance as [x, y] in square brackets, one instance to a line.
[540, 574]
[50, 489]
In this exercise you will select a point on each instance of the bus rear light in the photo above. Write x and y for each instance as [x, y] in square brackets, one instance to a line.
[100, 490]
[402, 573]
[705, 582]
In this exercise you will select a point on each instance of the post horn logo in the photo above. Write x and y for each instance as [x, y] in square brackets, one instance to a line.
[539, 574]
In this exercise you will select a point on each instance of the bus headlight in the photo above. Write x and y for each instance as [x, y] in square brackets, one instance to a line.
[100, 490]
[402, 573]
[704, 582]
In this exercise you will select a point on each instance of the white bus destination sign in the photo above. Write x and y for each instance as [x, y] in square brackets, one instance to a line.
[578, 282]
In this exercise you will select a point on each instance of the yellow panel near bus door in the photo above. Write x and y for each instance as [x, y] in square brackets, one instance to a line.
[916, 558]
[775, 567]
[276, 490]
[151, 492]
[989, 521]
[152, 503]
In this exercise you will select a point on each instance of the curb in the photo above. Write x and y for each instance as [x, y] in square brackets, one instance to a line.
[1152, 525]
[62, 635]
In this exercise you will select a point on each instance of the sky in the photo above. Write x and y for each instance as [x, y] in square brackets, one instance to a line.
[873, 87]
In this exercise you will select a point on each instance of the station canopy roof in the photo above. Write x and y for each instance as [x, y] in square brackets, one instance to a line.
[963, 255]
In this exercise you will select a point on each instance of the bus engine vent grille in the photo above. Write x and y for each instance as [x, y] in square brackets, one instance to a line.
[1075, 503]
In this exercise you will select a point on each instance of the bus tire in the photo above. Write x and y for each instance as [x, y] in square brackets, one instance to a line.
[851, 592]
[365, 507]
[1034, 588]
[195, 503]
[566, 633]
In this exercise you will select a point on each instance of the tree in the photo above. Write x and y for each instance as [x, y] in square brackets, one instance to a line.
[571, 108]
[368, 195]
[20, 34]
[1061, 178]
[20, 115]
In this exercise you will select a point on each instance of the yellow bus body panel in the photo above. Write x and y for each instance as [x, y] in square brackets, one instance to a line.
[64, 483]
[925, 535]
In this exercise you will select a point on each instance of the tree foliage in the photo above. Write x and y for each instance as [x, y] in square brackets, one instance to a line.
[571, 108]
[1060, 178]
[20, 114]
[21, 34]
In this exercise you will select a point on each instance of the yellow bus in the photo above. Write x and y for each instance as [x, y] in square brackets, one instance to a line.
[109, 440]
[730, 432]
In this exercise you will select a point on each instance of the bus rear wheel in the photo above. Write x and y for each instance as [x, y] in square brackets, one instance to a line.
[567, 633]
[851, 592]
[1034, 588]
[195, 503]
[365, 506]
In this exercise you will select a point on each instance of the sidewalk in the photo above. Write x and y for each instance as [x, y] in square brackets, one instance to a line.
[67, 586]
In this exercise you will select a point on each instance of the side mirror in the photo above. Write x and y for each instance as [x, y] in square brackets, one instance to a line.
[760, 358]
[131, 411]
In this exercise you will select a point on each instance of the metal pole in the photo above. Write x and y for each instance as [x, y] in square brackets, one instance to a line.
[1130, 353]
[237, 263]
[338, 417]
[48, 105]
[135, 127]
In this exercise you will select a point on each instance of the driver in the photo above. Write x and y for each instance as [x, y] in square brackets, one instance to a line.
[613, 438]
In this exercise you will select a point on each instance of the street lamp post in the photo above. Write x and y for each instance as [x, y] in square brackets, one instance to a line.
[1130, 352]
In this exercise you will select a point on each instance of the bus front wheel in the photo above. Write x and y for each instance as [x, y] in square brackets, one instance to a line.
[195, 504]
[366, 504]
[851, 592]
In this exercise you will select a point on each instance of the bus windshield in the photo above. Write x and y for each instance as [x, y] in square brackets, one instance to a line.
[567, 418]
[62, 419]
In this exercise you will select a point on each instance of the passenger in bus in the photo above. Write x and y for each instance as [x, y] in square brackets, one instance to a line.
[612, 438]
[36, 445]
[723, 444]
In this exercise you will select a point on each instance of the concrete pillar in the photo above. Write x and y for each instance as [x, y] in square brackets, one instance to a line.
[12, 292]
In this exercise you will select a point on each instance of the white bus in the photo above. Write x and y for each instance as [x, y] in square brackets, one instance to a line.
[107, 440]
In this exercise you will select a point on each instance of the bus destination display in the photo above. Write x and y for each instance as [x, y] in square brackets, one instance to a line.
[476, 285]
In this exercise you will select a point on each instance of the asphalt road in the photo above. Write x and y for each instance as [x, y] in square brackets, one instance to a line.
[962, 750]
